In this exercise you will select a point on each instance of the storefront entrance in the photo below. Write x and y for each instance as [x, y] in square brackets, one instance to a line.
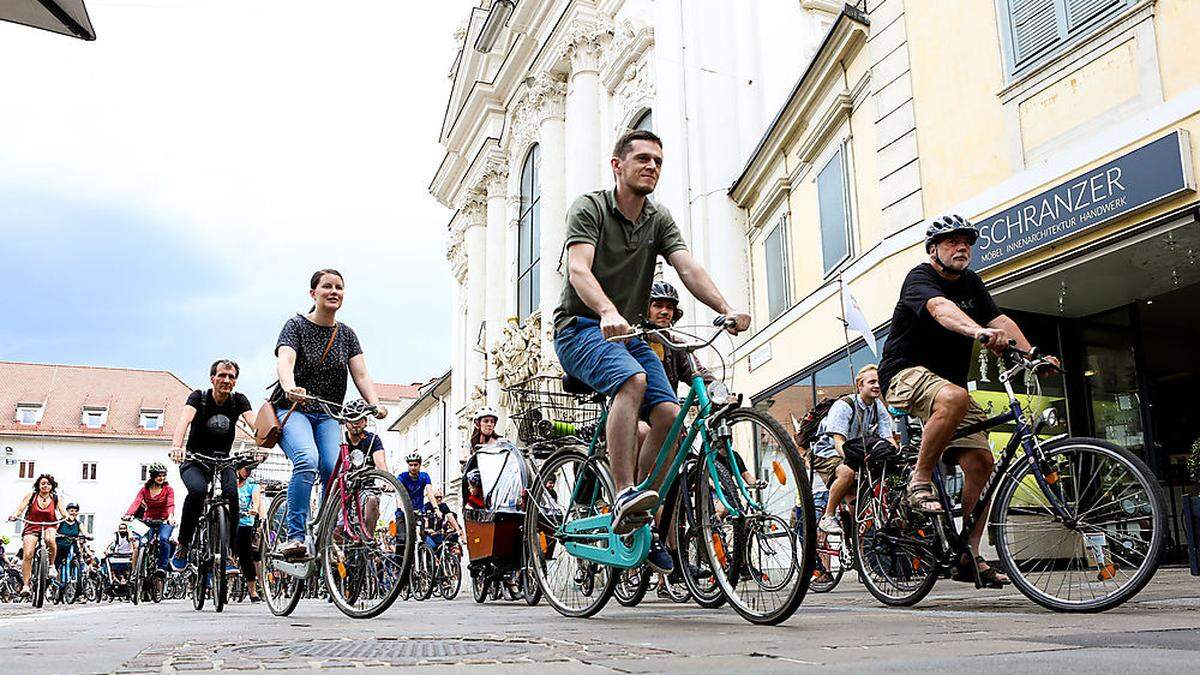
[1127, 321]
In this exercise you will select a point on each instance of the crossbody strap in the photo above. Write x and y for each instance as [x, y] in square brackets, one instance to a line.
[324, 355]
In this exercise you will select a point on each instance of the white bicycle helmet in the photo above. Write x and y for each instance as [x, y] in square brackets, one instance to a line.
[485, 411]
[412, 457]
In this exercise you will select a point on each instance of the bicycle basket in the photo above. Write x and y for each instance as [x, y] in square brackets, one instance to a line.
[542, 411]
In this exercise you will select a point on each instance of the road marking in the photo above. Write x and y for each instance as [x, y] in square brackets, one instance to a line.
[47, 615]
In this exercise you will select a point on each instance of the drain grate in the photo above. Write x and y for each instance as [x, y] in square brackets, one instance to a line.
[391, 651]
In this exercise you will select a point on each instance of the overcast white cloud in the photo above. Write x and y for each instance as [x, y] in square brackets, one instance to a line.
[186, 172]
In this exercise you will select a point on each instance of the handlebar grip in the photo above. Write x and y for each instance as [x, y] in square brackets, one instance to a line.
[724, 321]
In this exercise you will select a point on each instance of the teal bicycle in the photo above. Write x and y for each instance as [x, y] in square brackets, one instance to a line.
[757, 539]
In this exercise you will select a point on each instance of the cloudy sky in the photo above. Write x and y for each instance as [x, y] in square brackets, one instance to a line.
[166, 191]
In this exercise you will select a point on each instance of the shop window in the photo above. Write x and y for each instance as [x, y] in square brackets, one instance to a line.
[145, 472]
[779, 296]
[89, 471]
[529, 237]
[25, 469]
[29, 413]
[87, 523]
[1035, 30]
[834, 201]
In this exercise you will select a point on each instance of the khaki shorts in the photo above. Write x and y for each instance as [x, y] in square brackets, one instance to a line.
[914, 390]
[825, 467]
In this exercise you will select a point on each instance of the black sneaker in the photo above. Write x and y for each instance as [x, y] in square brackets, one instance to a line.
[659, 558]
[631, 509]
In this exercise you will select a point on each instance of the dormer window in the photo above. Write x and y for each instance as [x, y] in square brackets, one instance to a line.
[150, 420]
[94, 417]
[29, 413]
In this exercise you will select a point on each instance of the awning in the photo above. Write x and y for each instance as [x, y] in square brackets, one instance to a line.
[68, 17]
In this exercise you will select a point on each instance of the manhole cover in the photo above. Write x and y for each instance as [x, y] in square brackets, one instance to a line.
[390, 651]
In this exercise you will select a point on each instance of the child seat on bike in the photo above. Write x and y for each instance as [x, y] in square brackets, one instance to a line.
[494, 531]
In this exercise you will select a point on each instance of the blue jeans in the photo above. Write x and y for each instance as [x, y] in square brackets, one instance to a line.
[164, 542]
[605, 366]
[311, 441]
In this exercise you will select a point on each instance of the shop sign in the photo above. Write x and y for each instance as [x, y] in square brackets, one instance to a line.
[1129, 183]
[760, 356]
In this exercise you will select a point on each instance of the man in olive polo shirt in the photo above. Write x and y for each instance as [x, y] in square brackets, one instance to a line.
[614, 238]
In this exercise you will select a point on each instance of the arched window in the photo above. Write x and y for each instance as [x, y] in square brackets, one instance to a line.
[645, 121]
[529, 237]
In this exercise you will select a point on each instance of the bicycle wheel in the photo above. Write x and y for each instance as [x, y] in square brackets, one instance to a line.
[772, 560]
[41, 567]
[451, 575]
[201, 559]
[894, 546]
[1109, 550]
[694, 567]
[218, 533]
[632, 585]
[479, 587]
[281, 591]
[423, 573]
[351, 538]
[575, 587]
[529, 583]
[832, 558]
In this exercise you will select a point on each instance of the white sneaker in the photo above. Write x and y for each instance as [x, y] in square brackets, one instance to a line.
[830, 525]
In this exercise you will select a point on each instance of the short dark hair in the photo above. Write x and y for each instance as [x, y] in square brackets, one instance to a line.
[625, 142]
[228, 363]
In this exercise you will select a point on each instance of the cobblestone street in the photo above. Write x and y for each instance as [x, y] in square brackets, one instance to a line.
[846, 630]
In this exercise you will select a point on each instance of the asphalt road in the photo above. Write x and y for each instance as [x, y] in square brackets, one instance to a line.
[954, 630]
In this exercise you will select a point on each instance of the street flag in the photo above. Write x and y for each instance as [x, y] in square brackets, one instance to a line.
[795, 423]
[856, 320]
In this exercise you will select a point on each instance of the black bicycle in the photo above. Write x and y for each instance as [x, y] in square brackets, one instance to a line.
[209, 552]
[146, 580]
[1079, 523]
[39, 574]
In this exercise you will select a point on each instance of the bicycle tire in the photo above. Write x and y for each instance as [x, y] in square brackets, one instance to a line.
[632, 585]
[281, 592]
[541, 515]
[1153, 512]
[786, 467]
[133, 586]
[219, 535]
[452, 581]
[692, 559]
[201, 558]
[479, 587]
[422, 577]
[890, 572]
[326, 536]
[41, 567]
[530, 590]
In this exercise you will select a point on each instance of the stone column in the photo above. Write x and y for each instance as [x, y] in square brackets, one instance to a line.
[549, 94]
[474, 241]
[585, 167]
[457, 257]
[496, 296]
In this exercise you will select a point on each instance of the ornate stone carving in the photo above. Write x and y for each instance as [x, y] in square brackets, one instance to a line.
[473, 206]
[518, 355]
[475, 401]
[494, 178]
[543, 99]
[584, 41]
[631, 41]
[456, 254]
[636, 92]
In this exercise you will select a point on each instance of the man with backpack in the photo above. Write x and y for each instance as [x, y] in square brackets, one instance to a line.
[851, 429]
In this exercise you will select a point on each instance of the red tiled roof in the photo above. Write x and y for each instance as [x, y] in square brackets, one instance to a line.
[64, 391]
[397, 392]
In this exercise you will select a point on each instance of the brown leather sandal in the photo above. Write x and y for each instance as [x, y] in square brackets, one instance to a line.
[920, 494]
[966, 570]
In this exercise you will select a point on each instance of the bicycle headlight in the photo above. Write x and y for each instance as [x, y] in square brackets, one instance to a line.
[717, 392]
[1050, 417]
[357, 458]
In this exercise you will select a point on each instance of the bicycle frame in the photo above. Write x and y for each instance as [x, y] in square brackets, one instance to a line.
[1022, 437]
[579, 535]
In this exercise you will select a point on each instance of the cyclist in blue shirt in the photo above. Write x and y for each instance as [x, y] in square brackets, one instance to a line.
[417, 482]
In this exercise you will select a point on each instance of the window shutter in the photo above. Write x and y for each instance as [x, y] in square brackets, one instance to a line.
[1035, 26]
[1079, 12]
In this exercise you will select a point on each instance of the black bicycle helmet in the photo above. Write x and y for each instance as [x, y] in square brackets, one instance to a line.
[665, 292]
[72, 505]
[944, 226]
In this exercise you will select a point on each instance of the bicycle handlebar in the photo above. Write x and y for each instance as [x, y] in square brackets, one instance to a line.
[721, 322]
[47, 523]
[330, 406]
[232, 459]
[1031, 360]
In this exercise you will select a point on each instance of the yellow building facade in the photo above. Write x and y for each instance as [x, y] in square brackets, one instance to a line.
[1063, 129]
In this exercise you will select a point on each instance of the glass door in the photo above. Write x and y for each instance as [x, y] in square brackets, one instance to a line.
[1110, 380]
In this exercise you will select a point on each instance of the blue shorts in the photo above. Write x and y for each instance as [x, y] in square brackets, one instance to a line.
[605, 366]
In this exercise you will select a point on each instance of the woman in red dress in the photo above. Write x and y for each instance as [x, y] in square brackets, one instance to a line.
[39, 506]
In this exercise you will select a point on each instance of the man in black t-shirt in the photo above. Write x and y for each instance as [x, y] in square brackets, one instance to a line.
[943, 309]
[210, 421]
